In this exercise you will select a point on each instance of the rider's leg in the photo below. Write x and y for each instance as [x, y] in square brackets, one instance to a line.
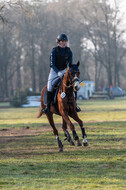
[77, 107]
[51, 78]
[49, 100]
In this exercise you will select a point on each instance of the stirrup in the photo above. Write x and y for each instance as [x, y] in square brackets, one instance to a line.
[77, 109]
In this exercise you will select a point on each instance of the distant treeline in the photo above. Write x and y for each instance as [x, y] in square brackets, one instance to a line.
[28, 33]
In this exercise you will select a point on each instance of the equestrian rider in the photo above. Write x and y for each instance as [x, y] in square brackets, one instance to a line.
[61, 56]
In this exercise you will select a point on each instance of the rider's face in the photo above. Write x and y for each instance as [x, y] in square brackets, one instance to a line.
[63, 44]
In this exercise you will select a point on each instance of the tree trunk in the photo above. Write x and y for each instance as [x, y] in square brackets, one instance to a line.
[33, 66]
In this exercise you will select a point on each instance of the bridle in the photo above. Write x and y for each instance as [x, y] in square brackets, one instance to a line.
[71, 80]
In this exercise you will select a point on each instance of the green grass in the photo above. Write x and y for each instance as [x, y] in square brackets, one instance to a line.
[29, 157]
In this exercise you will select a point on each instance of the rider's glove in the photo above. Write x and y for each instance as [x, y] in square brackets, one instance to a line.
[60, 74]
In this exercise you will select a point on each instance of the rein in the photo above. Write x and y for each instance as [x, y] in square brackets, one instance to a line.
[71, 81]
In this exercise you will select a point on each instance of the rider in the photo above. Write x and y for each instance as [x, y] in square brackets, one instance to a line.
[61, 56]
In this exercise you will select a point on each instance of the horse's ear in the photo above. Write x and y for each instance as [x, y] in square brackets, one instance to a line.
[78, 63]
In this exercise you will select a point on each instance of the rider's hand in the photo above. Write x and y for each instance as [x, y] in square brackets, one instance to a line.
[60, 74]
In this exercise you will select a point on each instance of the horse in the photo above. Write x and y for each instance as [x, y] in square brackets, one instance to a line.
[66, 107]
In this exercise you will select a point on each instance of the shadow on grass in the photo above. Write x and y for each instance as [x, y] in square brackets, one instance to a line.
[47, 124]
[35, 145]
[36, 157]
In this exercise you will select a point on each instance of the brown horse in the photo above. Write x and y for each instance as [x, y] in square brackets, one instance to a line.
[66, 107]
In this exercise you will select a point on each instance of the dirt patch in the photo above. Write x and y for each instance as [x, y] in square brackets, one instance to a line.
[18, 134]
[20, 142]
[23, 131]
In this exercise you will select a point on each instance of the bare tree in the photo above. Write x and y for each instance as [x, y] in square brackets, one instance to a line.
[102, 28]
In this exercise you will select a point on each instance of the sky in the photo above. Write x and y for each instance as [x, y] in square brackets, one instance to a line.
[122, 8]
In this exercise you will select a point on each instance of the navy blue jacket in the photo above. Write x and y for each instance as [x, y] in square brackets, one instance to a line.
[60, 58]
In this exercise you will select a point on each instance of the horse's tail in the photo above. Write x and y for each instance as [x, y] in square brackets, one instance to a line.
[40, 112]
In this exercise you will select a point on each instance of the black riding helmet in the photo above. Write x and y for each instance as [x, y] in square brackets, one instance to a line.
[61, 37]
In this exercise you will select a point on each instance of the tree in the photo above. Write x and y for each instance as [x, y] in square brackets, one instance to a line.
[102, 29]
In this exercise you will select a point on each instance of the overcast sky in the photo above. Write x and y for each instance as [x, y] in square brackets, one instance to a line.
[122, 7]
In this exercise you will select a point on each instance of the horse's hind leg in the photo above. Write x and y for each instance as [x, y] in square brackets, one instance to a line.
[67, 134]
[51, 121]
[74, 115]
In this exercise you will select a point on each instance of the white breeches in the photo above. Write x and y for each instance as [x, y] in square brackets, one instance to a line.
[52, 79]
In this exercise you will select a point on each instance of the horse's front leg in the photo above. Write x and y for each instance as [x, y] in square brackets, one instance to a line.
[74, 115]
[70, 124]
[67, 134]
[51, 121]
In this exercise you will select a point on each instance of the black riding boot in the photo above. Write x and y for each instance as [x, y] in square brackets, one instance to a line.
[49, 100]
[77, 107]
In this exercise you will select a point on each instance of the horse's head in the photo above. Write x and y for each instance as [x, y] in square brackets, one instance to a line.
[74, 73]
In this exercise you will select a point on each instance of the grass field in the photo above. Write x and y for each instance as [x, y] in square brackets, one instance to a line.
[29, 157]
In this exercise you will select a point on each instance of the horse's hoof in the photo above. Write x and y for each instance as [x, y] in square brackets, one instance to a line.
[79, 143]
[61, 149]
[72, 143]
[60, 146]
[85, 144]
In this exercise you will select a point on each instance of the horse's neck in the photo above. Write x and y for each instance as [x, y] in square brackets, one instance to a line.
[66, 83]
